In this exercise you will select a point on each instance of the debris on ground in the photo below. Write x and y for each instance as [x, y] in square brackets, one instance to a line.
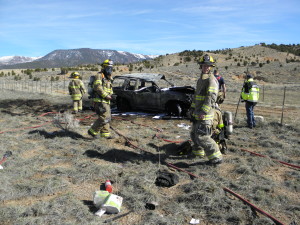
[166, 179]
[107, 203]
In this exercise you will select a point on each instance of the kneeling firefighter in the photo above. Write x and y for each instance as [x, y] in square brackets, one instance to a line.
[102, 87]
[222, 128]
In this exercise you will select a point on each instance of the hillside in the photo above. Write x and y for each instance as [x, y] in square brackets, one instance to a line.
[274, 69]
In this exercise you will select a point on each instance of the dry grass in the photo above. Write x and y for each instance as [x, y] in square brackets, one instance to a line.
[55, 168]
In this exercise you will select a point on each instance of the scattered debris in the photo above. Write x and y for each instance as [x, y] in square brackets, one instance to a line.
[194, 221]
[184, 126]
[107, 203]
[151, 205]
[259, 119]
[166, 179]
[108, 186]
[5, 156]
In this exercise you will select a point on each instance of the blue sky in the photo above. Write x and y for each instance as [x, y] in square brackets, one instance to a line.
[154, 27]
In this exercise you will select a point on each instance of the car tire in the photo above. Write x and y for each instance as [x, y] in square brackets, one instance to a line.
[123, 105]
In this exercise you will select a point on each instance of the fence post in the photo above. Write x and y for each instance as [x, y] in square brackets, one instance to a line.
[263, 93]
[283, 105]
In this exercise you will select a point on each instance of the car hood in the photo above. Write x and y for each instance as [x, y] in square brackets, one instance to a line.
[185, 89]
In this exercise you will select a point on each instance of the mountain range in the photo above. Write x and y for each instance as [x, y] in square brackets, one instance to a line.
[70, 58]
[10, 60]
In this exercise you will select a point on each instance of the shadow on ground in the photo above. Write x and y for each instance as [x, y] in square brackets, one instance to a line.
[58, 134]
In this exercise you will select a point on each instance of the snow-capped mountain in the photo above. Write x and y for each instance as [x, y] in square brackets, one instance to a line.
[10, 60]
[75, 57]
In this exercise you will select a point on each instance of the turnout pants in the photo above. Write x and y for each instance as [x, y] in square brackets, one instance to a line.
[77, 105]
[101, 125]
[203, 143]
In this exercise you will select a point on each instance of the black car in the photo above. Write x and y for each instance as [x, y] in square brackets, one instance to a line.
[151, 92]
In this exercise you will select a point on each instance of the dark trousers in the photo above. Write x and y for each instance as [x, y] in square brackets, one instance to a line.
[250, 113]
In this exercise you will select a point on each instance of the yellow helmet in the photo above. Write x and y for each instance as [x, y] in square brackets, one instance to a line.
[75, 75]
[107, 62]
[206, 60]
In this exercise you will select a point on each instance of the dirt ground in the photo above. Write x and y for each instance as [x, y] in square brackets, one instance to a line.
[53, 172]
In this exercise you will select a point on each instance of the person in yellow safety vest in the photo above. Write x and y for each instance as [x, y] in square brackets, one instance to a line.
[102, 87]
[76, 90]
[250, 95]
[203, 111]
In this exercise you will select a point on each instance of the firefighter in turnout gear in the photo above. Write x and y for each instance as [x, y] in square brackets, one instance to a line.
[222, 87]
[218, 131]
[203, 111]
[102, 87]
[250, 95]
[76, 90]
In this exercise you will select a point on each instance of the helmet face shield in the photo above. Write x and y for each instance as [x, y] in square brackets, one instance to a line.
[207, 60]
[108, 71]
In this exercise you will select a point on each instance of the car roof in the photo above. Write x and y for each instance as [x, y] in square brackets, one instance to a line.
[143, 76]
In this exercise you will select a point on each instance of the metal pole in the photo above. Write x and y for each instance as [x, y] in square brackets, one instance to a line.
[283, 105]
[263, 93]
[237, 107]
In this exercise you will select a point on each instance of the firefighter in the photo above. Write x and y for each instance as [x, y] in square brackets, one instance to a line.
[222, 87]
[218, 131]
[250, 95]
[102, 87]
[76, 90]
[203, 111]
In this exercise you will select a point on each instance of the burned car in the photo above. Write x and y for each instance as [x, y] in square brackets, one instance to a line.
[151, 92]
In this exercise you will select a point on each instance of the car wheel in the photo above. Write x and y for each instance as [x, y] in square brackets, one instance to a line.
[175, 109]
[123, 105]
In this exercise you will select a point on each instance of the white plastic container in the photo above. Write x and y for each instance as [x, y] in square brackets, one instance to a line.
[100, 197]
[112, 204]
[107, 202]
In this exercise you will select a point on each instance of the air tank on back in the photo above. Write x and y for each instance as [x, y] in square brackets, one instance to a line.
[228, 122]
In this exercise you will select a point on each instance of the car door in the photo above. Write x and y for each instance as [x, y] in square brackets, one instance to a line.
[147, 97]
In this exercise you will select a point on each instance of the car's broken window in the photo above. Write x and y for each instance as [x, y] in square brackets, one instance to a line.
[147, 86]
[118, 82]
[132, 85]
